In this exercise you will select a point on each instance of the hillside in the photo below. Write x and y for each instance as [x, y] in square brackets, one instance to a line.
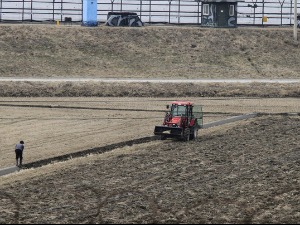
[151, 51]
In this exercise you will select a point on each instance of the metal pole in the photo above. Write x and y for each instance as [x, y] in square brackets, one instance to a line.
[254, 11]
[291, 12]
[281, 15]
[23, 10]
[281, 10]
[254, 15]
[61, 8]
[295, 20]
[263, 12]
[53, 12]
[141, 5]
[170, 11]
[179, 8]
[31, 8]
[112, 5]
[198, 20]
[0, 10]
[150, 8]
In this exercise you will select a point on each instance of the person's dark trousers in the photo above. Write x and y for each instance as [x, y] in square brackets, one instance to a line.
[19, 155]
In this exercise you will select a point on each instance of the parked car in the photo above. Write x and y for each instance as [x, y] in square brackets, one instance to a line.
[124, 19]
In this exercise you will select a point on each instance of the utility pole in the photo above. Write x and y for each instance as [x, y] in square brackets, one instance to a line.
[295, 20]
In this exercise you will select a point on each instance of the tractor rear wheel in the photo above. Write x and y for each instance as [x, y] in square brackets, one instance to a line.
[186, 134]
[194, 134]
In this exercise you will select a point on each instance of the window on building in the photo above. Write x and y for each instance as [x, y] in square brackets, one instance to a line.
[231, 10]
[205, 9]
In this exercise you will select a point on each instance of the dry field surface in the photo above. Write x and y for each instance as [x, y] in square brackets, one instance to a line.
[56, 126]
[238, 174]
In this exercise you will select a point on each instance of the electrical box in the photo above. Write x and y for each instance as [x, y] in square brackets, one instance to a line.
[89, 14]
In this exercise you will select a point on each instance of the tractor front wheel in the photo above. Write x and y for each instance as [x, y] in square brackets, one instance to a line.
[163, 137]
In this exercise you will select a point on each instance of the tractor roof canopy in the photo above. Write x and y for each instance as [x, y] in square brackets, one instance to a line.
[182, 103]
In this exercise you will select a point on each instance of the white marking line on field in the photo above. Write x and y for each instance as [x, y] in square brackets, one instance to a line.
[136, 80]
[9, 170]
[229, 120]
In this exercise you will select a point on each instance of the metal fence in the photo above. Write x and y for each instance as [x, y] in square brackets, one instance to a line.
[250, 12]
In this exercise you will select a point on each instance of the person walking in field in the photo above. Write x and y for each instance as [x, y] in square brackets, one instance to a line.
[19, 153]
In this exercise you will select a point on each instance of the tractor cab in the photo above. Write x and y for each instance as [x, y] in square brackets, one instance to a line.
[182, 121]
[179, 111]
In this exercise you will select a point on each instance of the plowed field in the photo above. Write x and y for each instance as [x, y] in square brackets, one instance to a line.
[242, 174]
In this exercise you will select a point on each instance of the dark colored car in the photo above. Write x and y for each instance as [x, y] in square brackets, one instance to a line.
[123, 19]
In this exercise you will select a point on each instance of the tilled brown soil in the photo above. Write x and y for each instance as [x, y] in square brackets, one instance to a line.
[247, 174]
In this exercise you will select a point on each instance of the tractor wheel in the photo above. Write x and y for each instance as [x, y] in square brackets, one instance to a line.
[186, 134]
[194, 134]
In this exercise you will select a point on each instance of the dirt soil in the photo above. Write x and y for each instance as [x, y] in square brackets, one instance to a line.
[151, 51]
[244, 174]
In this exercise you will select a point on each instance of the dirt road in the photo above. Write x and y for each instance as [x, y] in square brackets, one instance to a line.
[153, 80]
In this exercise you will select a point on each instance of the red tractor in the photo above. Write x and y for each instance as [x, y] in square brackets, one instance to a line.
[182, 121]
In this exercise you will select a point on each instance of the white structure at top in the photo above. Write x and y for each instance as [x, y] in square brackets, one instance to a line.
[276, 12]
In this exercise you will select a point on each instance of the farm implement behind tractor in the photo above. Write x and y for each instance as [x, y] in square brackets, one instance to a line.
[182, 121]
